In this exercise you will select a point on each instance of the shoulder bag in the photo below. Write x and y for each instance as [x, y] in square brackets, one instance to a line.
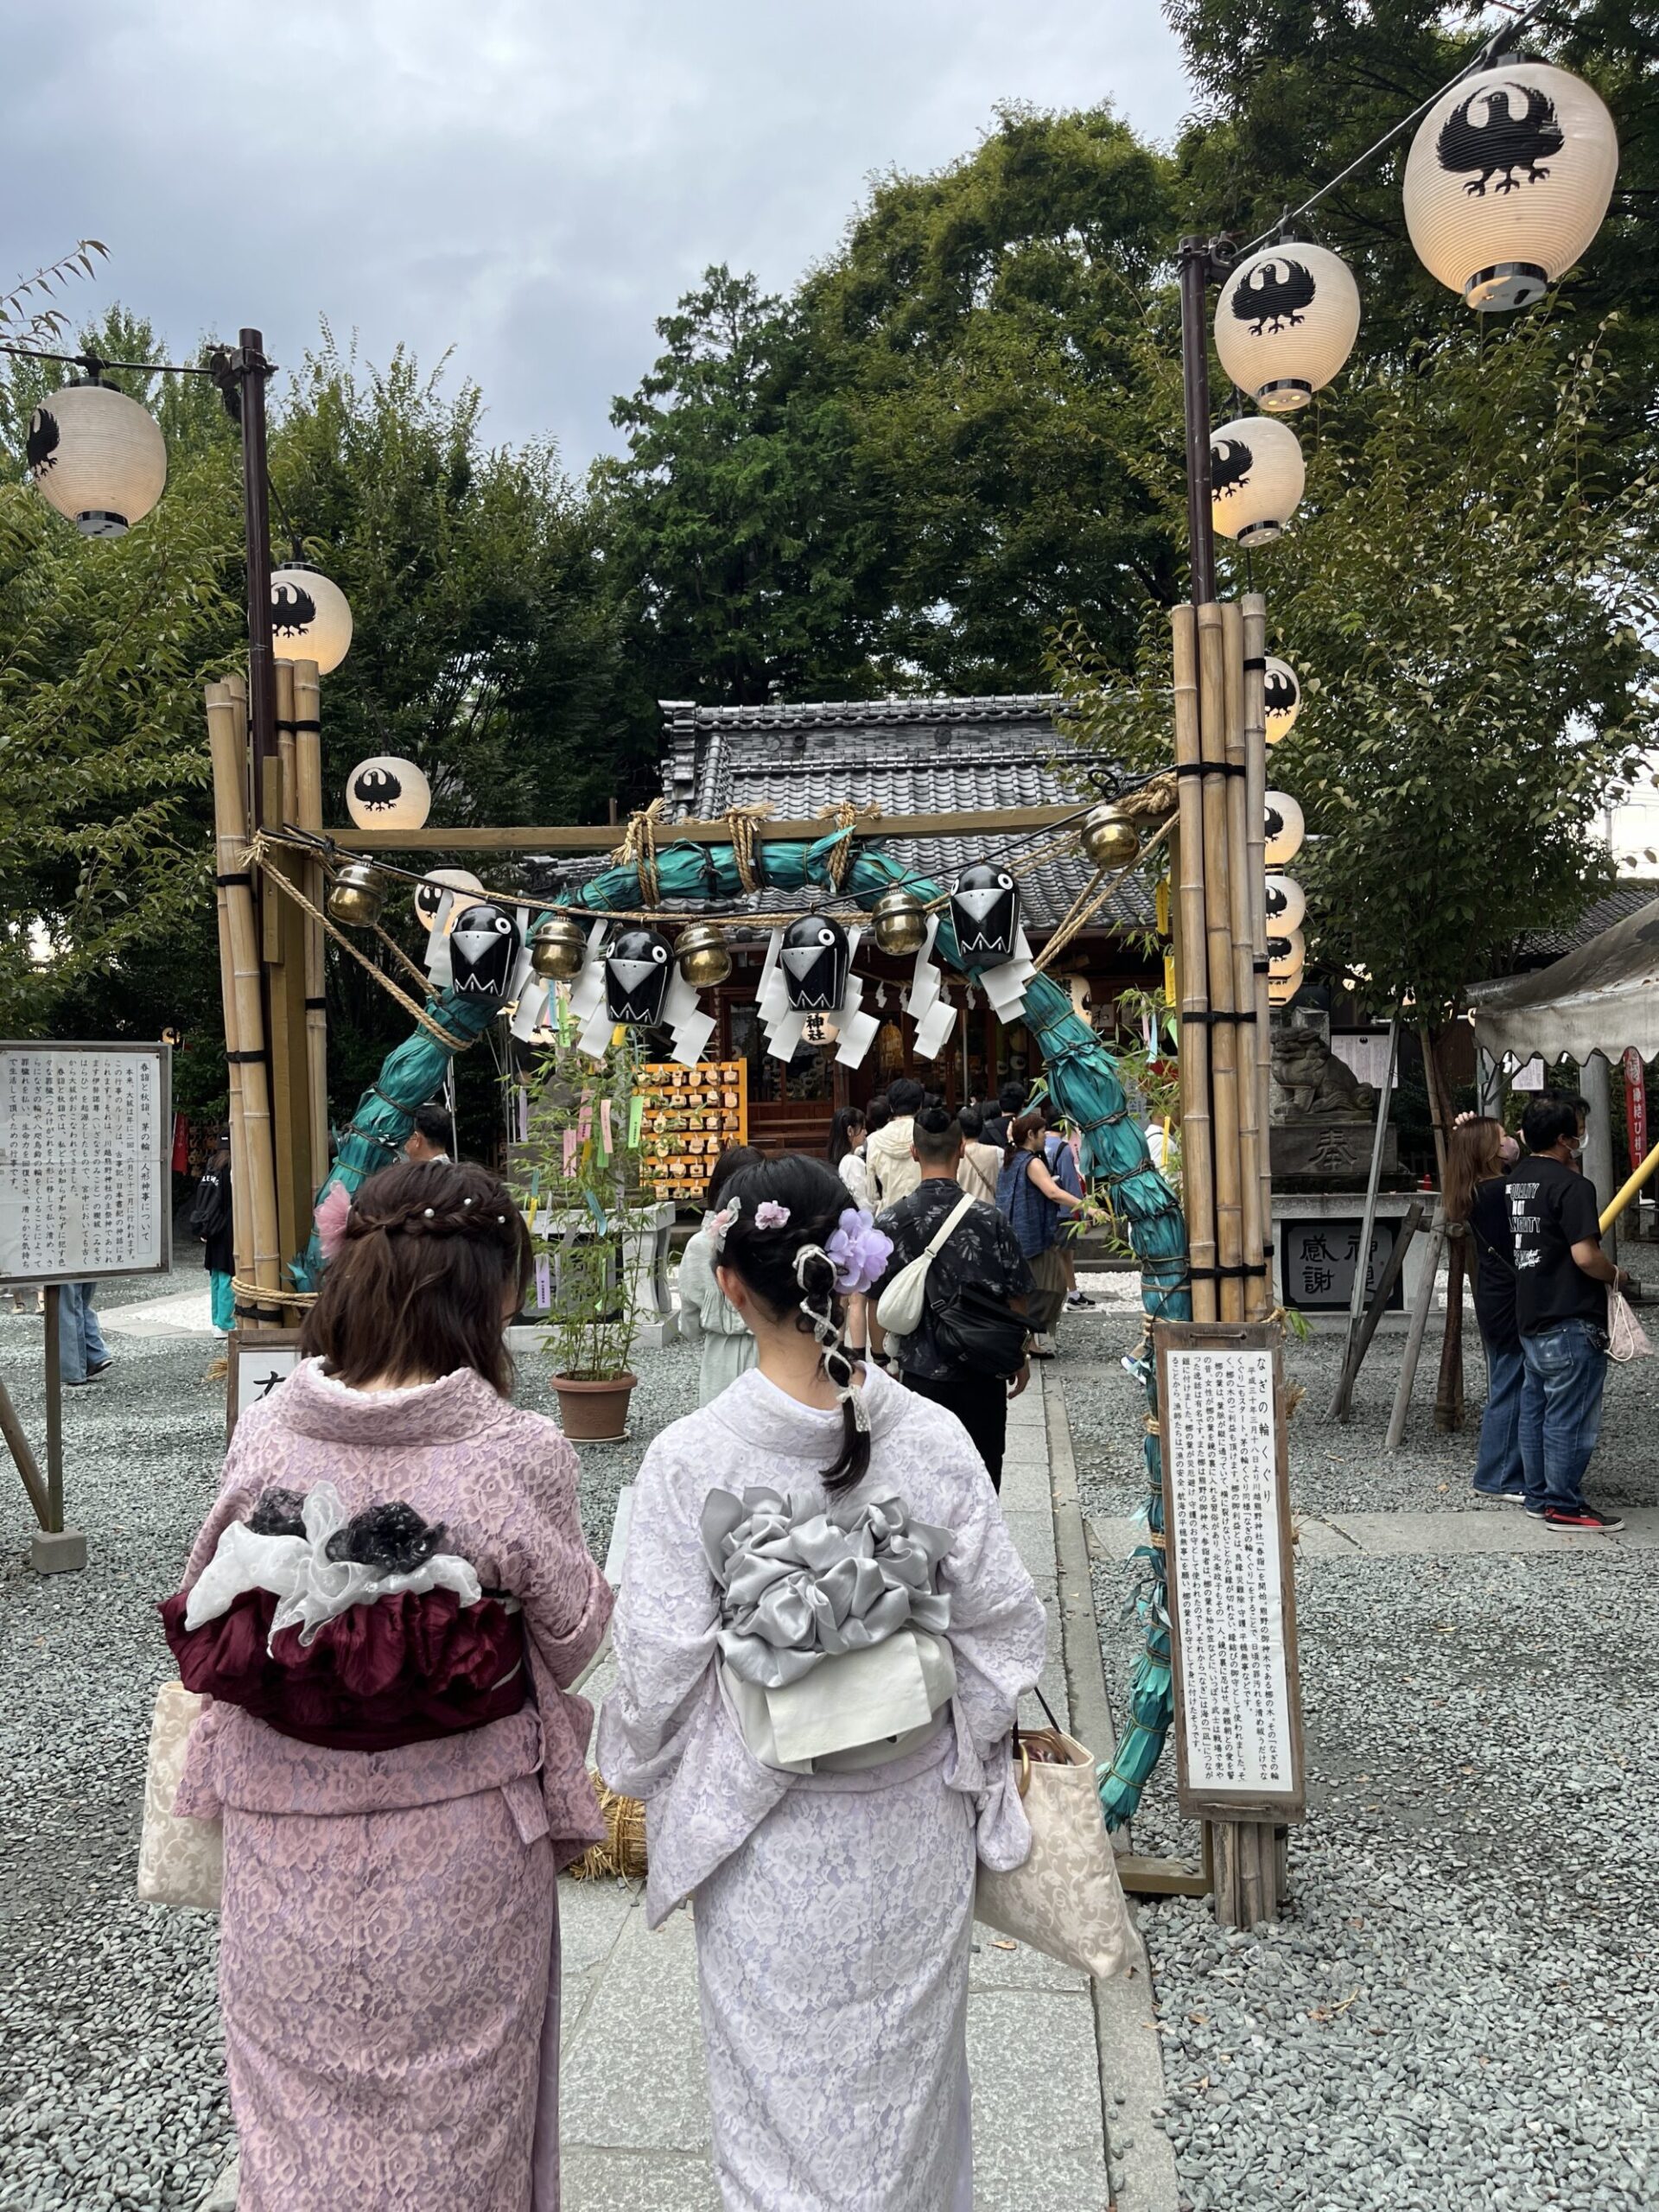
[899, 1310]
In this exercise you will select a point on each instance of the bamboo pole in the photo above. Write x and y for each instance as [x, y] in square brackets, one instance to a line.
[1218, 940]
[307, 815]
[1396, 1436]
[1254, 608]
[1632, 1184]
[284, 944]
[1197, 1166]
[1255, 1289]
[228, 739]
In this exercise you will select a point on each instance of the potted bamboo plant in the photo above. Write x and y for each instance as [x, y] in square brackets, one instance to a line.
[576, 1173]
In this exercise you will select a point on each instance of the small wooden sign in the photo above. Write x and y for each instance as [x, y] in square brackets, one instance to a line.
[1232, 1591]
[260, 1359]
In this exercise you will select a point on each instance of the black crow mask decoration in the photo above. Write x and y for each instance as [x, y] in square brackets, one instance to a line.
[815, 957]
[483, 952]
[376, 790]
[638, 968]
[985, 914]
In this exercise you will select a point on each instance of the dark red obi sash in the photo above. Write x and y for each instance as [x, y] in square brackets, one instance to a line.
[403, 1669]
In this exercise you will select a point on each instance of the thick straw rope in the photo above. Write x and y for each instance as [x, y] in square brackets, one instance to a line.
[637, 850]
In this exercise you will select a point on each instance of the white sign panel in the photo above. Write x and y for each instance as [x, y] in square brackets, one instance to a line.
[1222, 1507]
[85, 1161]
[259, 1369]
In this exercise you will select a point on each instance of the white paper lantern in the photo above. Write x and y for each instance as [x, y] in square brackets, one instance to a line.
[428, 893]
[1286, 322]
[1256, 476]
[1287, 904]
[1285, 829]
[1286, 953]
[1282, 988]
[1282, 691]
[1507, 181]
[310, 617]
[98, 457]
[388, 793]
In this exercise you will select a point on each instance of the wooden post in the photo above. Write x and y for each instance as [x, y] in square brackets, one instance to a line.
[221, 706]
[54, 1522]
[285, 960]
[1254, 608]
[24, 1457]
[1218, 939]
[1197, 1185]
[1256, 1301]
[1340, 1404]
[253, 1176]
[1414, 1336]
[308, 775]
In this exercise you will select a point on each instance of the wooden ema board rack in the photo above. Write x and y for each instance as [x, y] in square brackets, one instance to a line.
[691, 1116]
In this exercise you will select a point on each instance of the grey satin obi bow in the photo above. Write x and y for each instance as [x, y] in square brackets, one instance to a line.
[803, 1584]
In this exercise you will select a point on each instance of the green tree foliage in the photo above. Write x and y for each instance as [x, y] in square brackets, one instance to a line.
[953, 435]
[483, 647]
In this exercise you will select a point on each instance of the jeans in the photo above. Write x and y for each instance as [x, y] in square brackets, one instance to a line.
[1560, 1411]
[980, 1402]
[80, 1341]
[1498, 1463]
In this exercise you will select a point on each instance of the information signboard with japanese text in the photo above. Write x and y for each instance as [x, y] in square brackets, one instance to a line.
[1318, 1257]
[85, 1146]
[1231, 1585]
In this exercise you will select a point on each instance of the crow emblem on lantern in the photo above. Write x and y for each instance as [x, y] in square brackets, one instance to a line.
[1274, 296]
[40, 452]
[638, 969]
[376, 791]
[483, 952]
[985, 914]
[1502, 142]
[815, 958]
[292, 609]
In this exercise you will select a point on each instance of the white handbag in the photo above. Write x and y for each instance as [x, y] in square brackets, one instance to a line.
[180, 1862]
[899, 1309]
[1066, 1900]
[1626, 1338]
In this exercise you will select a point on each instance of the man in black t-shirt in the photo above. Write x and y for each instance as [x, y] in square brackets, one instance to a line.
[982, 1249]
[1561, 1281]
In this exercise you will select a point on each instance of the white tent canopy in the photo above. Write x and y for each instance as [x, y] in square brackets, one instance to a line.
[1601, 997]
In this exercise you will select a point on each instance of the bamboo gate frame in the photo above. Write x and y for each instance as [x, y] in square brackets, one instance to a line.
[272, 969]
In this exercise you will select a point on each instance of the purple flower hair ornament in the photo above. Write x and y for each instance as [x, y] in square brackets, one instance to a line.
[858, 1251]
[770, 1215]
[715, 1225]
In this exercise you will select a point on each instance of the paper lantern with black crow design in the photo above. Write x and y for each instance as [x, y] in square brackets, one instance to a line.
[96, 456]
[1507, 181]
[310, 617]
[1255, 478]
[1286, 322]
[388, 793]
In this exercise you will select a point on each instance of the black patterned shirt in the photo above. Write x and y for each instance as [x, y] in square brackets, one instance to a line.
[983, 1248]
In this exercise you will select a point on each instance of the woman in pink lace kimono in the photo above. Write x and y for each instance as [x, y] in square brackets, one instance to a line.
[822, 1635]
[386, 1605]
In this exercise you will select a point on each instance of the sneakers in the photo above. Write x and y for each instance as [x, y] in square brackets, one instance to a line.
[1077, 1302]
[1500, 1497]
[1582, 1516]
[1043, 1347]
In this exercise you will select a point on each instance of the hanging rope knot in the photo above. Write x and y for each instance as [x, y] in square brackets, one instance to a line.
[846, 816]
[742, 822]
[637, 850]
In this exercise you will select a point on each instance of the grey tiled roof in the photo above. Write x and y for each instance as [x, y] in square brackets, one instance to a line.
[906, 756]
[1541, 946]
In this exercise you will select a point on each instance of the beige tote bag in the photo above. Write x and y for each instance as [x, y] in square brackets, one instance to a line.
[1066, 1900]
[180, 1862]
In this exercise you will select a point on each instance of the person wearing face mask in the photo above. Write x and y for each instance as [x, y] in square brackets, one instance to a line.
[1478, 1156]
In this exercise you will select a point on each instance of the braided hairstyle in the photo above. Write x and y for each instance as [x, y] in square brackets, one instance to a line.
[785, 1270]
[435, 1257]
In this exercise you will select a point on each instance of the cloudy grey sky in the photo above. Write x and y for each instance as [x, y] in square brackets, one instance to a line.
[531, 184]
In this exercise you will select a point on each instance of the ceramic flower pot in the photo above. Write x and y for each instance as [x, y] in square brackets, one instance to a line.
[594, 1412]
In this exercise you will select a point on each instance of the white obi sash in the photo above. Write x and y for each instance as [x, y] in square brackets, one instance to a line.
[833, 1654]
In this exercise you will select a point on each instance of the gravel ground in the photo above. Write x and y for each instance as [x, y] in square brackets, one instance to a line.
[111, 2071]
[1457, 2010]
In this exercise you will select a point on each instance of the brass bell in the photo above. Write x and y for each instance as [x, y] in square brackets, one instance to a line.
[704, 954]
[356, 895]
[558, 948]
[1110, 839]
[900, 921]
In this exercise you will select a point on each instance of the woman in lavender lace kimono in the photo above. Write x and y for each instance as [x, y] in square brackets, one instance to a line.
[386, 1607]
[824, 1633]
